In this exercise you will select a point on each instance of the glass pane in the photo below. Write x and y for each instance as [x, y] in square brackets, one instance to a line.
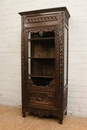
[65, 55]
[41, 57]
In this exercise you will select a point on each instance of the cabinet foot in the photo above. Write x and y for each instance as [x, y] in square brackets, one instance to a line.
[60, 121]
[24, 114]
[66, 113]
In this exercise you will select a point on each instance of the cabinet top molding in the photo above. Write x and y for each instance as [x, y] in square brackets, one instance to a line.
[48, 10]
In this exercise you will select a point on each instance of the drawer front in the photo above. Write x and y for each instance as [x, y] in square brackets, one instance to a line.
[43, 98]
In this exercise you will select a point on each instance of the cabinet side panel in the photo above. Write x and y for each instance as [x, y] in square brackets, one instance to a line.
[61, 37]
[23, 67]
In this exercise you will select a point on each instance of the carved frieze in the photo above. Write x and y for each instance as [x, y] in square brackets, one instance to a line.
[45, 18]
[42, 112]
[41, 29]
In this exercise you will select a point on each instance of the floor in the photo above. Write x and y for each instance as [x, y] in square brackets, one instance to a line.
[11, 119]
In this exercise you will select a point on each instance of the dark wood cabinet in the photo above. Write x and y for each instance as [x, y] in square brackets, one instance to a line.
[44, 41]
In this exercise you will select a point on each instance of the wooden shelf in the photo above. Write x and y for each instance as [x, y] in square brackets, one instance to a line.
[38, 76]
[34, 39]
[41, 58]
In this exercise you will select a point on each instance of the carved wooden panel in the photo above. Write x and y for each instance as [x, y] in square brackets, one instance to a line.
[40, 97]
[43, 112]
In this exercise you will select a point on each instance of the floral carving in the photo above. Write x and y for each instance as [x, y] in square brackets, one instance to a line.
[40, 29]
[42, 113]
[41, 98]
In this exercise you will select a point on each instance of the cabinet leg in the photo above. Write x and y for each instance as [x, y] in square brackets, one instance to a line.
[60, 121]
[66, 113]
[24, 114]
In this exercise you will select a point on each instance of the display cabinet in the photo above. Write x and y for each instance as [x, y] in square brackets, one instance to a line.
[44, 56]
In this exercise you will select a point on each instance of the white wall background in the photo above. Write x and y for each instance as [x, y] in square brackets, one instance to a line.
[10, 51]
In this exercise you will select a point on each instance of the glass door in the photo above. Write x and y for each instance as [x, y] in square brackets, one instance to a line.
[65, 56]
[41, 58]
